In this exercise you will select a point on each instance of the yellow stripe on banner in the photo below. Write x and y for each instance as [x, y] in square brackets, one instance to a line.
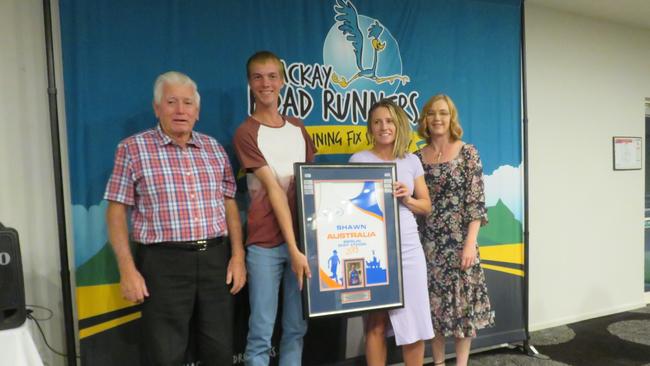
[99, 299]
[338, 139]
[509, 253]
[513, 271]
[344, 139]
[87, 332]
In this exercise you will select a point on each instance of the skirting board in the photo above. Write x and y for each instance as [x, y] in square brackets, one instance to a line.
[580, 317]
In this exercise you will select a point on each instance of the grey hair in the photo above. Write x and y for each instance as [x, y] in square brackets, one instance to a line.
[173, 78]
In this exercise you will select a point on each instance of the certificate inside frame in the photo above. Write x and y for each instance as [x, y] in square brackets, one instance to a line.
[349, 231]
[628, 152]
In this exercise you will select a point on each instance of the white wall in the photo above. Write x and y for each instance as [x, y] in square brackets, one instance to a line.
[587, 82]
[27, 201]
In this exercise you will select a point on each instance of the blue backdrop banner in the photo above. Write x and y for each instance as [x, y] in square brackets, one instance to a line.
[340, 56]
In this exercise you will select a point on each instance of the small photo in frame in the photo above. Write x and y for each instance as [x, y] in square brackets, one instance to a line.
[355, 274]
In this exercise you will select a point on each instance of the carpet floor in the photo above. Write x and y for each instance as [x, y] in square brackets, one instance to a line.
[616, 340]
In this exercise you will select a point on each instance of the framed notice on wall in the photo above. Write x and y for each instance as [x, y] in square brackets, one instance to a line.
[627, 153]
[349, 231]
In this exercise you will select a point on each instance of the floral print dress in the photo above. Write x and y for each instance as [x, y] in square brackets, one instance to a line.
[459, 299]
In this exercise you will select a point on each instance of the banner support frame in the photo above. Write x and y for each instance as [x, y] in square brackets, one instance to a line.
[71, 353]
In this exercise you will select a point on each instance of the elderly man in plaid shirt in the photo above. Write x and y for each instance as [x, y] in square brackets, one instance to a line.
[179, 186]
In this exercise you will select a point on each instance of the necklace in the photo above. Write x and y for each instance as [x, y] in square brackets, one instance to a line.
[439, 155]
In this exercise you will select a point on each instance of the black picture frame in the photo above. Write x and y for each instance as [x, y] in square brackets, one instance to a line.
[349, 231]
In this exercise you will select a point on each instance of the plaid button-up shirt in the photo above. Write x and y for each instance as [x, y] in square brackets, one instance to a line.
[176, 194]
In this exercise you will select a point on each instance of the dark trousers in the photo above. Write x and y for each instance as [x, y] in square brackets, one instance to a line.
[185, 286]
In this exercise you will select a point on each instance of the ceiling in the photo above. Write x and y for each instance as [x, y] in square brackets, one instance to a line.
[629, 12]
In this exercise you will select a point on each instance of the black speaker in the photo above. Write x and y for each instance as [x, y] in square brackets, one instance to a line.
[12, 288]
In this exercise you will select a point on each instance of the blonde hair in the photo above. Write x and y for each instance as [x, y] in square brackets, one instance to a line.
[402, 127]
[261, 57]
[455, 130]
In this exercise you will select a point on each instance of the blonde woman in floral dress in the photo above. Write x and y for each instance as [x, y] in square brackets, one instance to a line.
[454, 175]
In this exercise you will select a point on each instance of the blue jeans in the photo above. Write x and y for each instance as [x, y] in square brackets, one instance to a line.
[267, 268]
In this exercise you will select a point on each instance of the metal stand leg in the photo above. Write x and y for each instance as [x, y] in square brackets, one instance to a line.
[530, 350]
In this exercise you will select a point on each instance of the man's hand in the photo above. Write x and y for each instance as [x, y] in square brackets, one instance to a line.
[132, 283]
[236, 274]
[133, 286]
[299, 266]
[280, 204]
